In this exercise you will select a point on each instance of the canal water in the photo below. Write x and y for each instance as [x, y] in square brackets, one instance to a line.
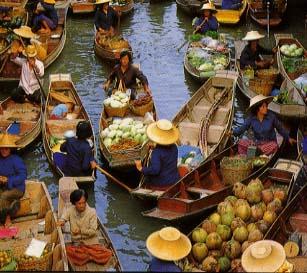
[155, 31]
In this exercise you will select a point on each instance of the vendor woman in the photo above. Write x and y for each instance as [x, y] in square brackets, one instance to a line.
[208, 21]
[126, 73]
[162, 171]
[263, 124]
[13, 174]
[250, 56]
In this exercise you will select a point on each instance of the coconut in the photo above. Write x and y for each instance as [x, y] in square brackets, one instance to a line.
[275, 205]
[199, 251]
[208, 226]
[253, 191]
[245, 245]
[199, 235]
[232, 199]
[239, 190]
[232, 249]
[255, 235]
[240, 234]
[224, 231]
[210, 264]
[257, 212]
[215, 218]
[224, 207]
[269, 217]
[251, 227]
[267, 196]
[262, 226]
[213, 241]
[237, 222]
[224, 264]
[281, 194]
[227, 218]
[243, 210]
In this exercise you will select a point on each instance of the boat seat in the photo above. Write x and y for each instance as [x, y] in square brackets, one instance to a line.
[200, 191]
[57, 128]
[219, 118]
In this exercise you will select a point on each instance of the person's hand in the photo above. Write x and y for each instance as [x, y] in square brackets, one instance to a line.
[197, 28]
[75, 231]
[206, 19]
[138, 165]
[93, 164]
[3, 179]
[292, 141]
[60, 223]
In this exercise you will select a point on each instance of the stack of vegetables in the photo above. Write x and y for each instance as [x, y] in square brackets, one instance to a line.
[117, 100]
[119, 2]
[240, 220]
[123, 134]
[292, 50]
[114, 43]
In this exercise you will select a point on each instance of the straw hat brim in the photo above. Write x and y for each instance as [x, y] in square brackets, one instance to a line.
[168, 250]
[162, 137]
[269, 264]
[102, 2]
[266, 99]
[24, 34]
[211, 9]
[29, 55]
[8, 141]
[253, 37]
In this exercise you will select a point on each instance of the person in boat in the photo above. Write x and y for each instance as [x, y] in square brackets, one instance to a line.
[231, 4]
[59, 112]
[81, 217]
[208, 21]
[45, 17]
[250, 56]
[162, 171]
[166, 246]
[79, 159]
[127, 73]
[13, 174]
[106, 18]
[28, 85]
[263, 124]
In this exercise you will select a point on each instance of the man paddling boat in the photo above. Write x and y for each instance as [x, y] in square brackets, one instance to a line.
[208, 21]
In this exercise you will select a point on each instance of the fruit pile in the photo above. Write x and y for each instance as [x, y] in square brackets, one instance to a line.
[25, 258]
[240, 220]
[5, 258]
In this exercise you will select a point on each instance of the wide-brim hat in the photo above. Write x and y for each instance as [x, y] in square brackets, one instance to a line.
[253, 35]
[258, 100]
[168, 244]
[30, 51]
[7, 141]
[52, 2]
[24, 32]
[263, 256]
[162, 132]
[99, 2]
[208, 6]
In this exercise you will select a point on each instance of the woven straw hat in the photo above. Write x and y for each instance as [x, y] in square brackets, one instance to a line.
[252, 35]
[7, 141]
[208, 6]
[98, 2]
[258, 100]
[52, 2]
[162, 132]
[24, 32]
[30, 51]
[263, 256]
[168, 244]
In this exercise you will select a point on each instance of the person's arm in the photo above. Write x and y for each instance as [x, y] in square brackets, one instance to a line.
[155, 164]
[88, 158]
[91, 229]
[280, 129]
[39, 68]
[246, 61]
[20, 174]
[96, 20]
[143, 79]
[213, 24]
[240, 130]
[19, 61]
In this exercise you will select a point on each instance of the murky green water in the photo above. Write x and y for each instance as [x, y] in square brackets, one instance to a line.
[155, 31]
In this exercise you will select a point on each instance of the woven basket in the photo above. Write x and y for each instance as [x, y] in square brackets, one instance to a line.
[267, 74]
[260, 86]
[116, 112]
[232, 174]
[142, 110]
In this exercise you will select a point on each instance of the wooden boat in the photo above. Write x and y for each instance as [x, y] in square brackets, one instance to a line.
[66, 186]
[16, 3]
[191, 7]
[60, 86]
[294, 110]
[229, 17]
[258, 12]
[124, 9]
[36, 219]
[54, 43]
[189, 120]
[293, 221]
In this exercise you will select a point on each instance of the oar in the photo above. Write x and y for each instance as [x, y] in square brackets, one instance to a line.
[268, 17]
[114, 179]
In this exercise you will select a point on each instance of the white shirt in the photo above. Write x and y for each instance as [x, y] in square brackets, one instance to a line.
[28, 81]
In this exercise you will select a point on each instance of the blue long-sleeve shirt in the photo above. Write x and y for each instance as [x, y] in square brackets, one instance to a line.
[78, 158]
[162, 170]
[211, 24]
[15, 170]
[249, 58]
[105, 21]
[50, 12]
[158, 265]
[265, 130]
[231, 4]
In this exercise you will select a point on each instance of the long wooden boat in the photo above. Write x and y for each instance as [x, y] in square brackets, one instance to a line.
[293, 221]
[229, 17]
[36, 219]
[16, 3]
[54, 43]
[61, 85]
[124, 9]
[258, 12]
[296, 109]
[189, 120]
[191, 8]
[66, 186]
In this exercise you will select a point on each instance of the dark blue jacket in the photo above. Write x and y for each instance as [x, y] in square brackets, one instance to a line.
[105, 21]
[50, 12]
[212, 24]
[249, 58]
[162, 170]
[15, 170]
[78, 158]
[158, 265]
[231, 4]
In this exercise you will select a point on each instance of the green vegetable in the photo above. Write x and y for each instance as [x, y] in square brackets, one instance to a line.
[195, 37]
[10, 267]
[213, 34]
[207, 74]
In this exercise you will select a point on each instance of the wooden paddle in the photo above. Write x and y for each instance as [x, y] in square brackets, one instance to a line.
[114, 179]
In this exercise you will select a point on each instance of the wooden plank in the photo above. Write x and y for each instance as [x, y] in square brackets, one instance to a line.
[199, 190]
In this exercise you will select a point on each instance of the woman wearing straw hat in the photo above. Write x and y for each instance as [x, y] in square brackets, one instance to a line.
[208, 21]
[167, 245]
[250, 56]
[28, 85]
[162, 171]
[13, 174]
[106, 18]
[263, 124]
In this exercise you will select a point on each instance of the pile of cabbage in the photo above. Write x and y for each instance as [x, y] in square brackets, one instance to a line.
[117, 100]
[126, 128]
[292, 50]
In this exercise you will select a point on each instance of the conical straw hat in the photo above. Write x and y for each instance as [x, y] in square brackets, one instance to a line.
[208, 6]
[52, 2]
[98, 2]
[168, 244]
[30, 51]
[252, 35]
[258, 100]
[7, 141]
[24, 32]
[162, 132]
